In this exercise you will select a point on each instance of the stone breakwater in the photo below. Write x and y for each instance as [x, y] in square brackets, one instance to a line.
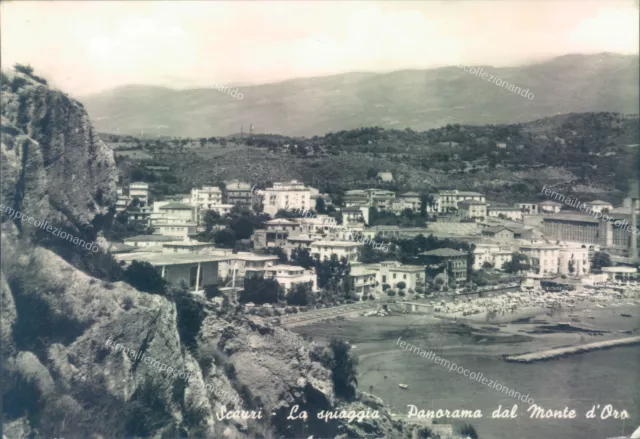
[571, 350]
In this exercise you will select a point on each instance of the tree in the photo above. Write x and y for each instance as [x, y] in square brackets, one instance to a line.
[211, 218]
[225, 238]
[343, 369]
[519, 262]
[301, 295]
[486, 265]
[401, 285]
[320, 207]
[599, 260]
[144, 277]
[23, 68]
[190, 315]
[302, 257]
[259, 291]
[277, 251]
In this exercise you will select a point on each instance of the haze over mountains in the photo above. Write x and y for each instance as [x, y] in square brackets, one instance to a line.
[420, 99]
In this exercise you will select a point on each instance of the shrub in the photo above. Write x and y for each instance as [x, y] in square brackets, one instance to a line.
[190, 316]
[401, 285]
[385, 287]
[391, 293]
[211, 291]
[144, 277]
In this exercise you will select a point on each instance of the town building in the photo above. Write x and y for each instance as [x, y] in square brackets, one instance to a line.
[393, 272]
[511, 213]
[549, 207]
[472, 209]
[246, 264]
[407, 200]
[238, 192]
[505, 235]
[275, 233]
[290, 275]
[206, 197]
[142, 241]
[139, 190]
[444, 260]
[493, 254]
[528, 208]
[356, 214]
[196, 271]
[362, 280]
[447, 200]
[598, 206]
[139, 215]
[348, 249]
[381, 199]
[544, 258]
[122, 202]
[574, 260]
[287, 196]
[356, 198]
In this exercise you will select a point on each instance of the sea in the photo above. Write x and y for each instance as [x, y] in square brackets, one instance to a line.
[579, 382]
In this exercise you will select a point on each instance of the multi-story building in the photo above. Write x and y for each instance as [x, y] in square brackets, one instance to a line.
[575, 227]
[472, 209]
[447, 200]
[381, 199]
[140, 215]
[362, 279]
[511, 213]
[528, 208]
[348, 249]
[206, 197]
[142, 241]
[444, 260]
[393, 272]
[290, 275]
[574, 260]
[238, 192]
[542, 257]
[122, 201]
[246, 264]
[356, 214]
[275, 233]
[408, 200]
[494, 254]
[356, 198]
[139, 190]
[288, 196]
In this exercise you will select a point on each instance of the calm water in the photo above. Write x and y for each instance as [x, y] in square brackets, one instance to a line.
[601, 377]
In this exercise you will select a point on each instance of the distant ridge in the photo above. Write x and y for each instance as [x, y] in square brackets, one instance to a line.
[419, 99]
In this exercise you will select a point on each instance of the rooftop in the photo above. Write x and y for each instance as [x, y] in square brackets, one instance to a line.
[253, 257]
[280, 221]
[550, 203]
[571, 216]
[410, 194]
[444, 252]
[159, 259]
[152, 238]
[598, 203]
[361, 271]
[471, 203]
[336, 243]
[283, 267]
[176, 206]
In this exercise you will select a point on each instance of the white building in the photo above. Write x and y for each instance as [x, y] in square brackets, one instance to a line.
[512, 213]
[393, 272]
[446, 200]
[355, 214]
[547, 207]
[205, 197]
[599, 206]
[472, 209]
[408, 200]
[139, 190]
[143, 241]
[362, 279]
[574, 261]
[290, 275]
[494, 254]
[347, 249]
[544, 258]
[288, 196]
[122, 201]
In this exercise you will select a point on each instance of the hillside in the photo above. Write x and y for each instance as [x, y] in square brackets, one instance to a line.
[594, 154]
[419, 99]
[61, 305]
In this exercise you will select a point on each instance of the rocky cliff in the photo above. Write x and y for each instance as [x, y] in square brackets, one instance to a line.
[66, 371]
[54, 166]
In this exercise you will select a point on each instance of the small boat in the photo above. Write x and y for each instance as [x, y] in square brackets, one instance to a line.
[592, 317]
[626, 315]
[403, 386]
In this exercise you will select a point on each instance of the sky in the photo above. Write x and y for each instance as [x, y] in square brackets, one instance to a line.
[85, 47]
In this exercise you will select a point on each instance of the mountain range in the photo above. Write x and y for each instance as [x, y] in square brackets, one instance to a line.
[419, 99]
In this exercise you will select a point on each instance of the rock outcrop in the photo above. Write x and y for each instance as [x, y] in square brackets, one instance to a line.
[54, 165]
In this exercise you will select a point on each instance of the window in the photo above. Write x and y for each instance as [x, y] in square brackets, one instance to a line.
[394, 275]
